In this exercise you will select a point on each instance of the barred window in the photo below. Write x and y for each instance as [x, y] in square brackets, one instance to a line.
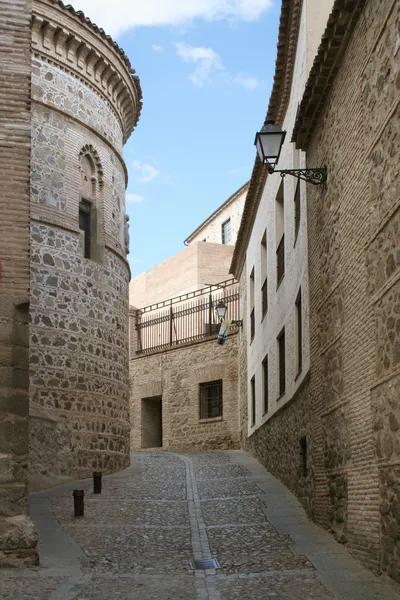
[226, 231]
[211, 399]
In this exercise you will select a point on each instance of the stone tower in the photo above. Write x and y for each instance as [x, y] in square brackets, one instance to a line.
[86, 101]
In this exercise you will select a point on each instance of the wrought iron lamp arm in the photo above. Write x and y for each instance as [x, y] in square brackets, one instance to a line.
[314, 176]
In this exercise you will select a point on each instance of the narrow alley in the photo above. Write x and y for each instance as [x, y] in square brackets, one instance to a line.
[142, 538]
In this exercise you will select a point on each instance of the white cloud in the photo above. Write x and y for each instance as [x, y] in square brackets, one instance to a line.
[247, 81]
[156, 48]
[126, 14]
[209, 65]
[146, 171]
[133, 198]
[207, 62]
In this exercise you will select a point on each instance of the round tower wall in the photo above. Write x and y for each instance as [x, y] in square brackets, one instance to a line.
[79, 392]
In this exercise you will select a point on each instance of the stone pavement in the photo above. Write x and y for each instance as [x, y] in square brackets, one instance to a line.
[137, 539]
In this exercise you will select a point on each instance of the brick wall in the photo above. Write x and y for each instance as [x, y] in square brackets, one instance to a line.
[354, 275]
[175, 375]
[17, 534]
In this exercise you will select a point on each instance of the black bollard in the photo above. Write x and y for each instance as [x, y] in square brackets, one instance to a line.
[79, 506]
[96, 482]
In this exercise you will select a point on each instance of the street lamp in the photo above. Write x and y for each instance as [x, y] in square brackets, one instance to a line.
[269, 143]
[220, 309]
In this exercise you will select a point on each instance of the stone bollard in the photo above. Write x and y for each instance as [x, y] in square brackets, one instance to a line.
[79, 506]
[97, 482]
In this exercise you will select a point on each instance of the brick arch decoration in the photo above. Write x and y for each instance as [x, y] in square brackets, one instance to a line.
[89, 151]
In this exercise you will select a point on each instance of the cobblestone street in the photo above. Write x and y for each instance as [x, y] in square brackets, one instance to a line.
[138, 537]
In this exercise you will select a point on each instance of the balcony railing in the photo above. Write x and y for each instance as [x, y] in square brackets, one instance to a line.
[187, 318]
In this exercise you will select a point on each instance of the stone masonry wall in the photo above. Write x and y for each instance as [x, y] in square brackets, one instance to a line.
[175, 375]
[355, 294]
[79, 363]
[17, 534]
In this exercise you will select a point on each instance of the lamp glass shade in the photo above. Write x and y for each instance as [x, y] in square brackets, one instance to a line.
[269, 143]
[220, 309]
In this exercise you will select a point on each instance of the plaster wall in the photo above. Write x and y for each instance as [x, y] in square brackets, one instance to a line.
[211, 232]
[282, 297]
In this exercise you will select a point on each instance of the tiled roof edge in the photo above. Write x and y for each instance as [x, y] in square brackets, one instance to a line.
[341, 23]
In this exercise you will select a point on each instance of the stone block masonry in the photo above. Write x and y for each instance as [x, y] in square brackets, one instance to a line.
[355, 286]
[85, 102]
[175, 375]
[17, 534]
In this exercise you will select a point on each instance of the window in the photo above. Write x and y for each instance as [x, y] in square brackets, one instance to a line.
[226, 231]
[85, 226]
[253, 400]
[265, 384]
[211, 399]
[264, 296]
[281, 362]
[280, 234]
[296, 211]
[280, 260]
[264, 286]
[303, 453]
[252, 318]
[299, 333]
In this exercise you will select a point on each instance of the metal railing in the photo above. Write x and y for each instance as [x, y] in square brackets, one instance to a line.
[186, 318]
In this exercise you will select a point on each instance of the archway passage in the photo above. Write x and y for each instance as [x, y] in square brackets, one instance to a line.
[151, 422]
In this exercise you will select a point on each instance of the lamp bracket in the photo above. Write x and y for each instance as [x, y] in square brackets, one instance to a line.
[314, 176]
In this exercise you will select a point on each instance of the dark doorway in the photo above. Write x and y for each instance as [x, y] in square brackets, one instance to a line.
[152, 422]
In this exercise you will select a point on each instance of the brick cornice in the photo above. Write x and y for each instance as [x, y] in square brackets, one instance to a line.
[340, 27]
[67, 37]
[278, 103]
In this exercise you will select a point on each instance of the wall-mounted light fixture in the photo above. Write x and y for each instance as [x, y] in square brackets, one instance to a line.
[269, 143]
[220, 310]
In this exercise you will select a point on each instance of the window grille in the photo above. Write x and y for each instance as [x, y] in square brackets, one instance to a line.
[226, 231]
[282, 364]
[85, 226]
[211, 399]
[280, 260]
[253, 400]
[297, 211]
[265, 384]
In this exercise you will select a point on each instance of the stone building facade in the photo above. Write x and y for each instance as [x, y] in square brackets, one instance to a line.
[165, 397]
[184, 392]
[17, 534]
[353, 127]
[270, 260]
[345, 467]
[85, 102]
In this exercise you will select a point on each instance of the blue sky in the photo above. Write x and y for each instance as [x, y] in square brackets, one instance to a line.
[206, 70]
